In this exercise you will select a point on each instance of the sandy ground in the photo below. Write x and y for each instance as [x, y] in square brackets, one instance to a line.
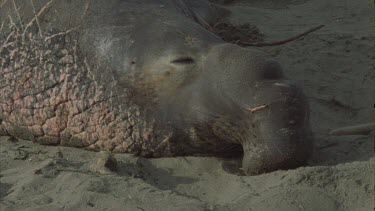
[335, 67]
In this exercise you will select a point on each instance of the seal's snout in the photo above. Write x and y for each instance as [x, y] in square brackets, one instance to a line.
[282, 135]
[274, 131]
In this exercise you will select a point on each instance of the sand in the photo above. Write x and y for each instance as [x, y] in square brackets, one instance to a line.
[335, 67]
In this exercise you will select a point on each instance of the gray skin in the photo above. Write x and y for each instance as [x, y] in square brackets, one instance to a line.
[145, 77]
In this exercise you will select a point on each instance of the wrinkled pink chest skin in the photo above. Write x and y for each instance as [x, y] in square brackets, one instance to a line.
[49, 94]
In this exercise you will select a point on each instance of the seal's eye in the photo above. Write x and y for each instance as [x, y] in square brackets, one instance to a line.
[183, 61]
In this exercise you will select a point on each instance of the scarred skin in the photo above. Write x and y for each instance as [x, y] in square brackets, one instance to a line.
[145, 77]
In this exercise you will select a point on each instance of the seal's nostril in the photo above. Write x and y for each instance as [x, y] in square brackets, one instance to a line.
[271, 70]
[183, 61]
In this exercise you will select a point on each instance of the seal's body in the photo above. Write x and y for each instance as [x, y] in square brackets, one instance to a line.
[145, 77]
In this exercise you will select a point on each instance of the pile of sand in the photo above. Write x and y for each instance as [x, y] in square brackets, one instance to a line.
[334, 65]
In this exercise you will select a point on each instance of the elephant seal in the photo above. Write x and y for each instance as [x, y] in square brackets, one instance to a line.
[145, 77]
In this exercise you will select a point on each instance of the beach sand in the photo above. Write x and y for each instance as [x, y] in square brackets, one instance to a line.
[334, 65]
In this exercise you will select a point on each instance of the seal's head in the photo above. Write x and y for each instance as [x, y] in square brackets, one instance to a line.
[226, 100]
